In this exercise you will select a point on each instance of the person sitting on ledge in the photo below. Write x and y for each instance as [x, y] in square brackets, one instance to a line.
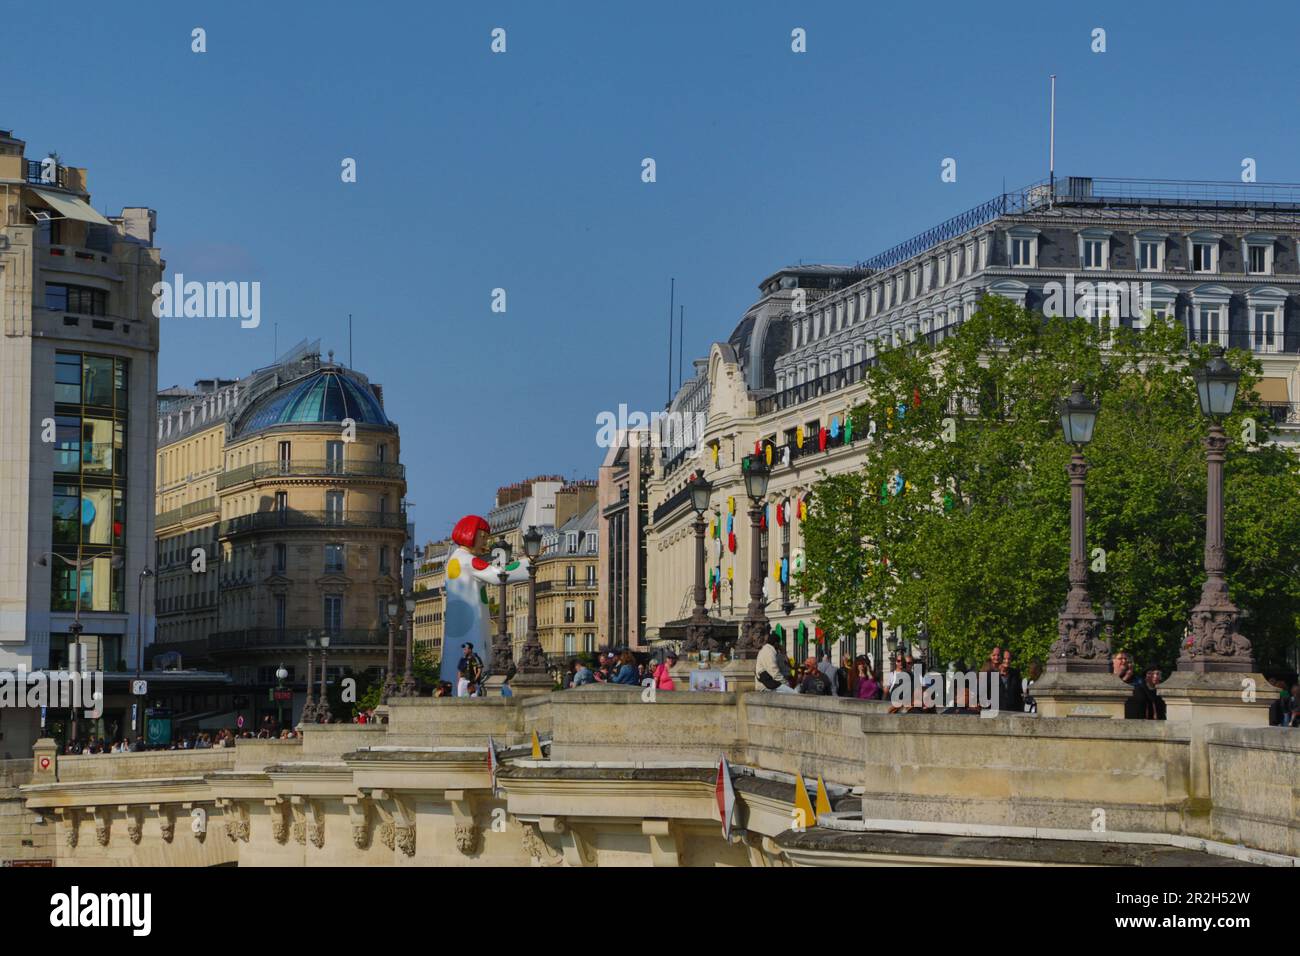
[814, 681]
[772, 669]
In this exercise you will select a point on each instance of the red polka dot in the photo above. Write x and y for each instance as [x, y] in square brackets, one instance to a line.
[479, 564]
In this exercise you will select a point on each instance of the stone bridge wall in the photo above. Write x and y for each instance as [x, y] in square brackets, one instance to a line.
[357, 794]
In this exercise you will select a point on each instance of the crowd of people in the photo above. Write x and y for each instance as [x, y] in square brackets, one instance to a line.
[194, 740]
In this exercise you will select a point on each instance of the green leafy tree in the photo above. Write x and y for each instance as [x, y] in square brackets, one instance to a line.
[960, 516]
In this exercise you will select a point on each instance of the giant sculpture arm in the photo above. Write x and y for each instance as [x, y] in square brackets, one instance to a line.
[488, 573]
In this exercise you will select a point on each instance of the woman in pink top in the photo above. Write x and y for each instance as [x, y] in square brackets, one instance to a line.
[663, 674]
[868, 686]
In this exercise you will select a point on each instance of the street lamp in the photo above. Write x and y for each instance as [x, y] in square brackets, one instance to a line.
[408, 677]
[756, 626]
[390, 676]
[1077, 647]
[281, 674]
[323, 708]
[1215, 644]
[697, 631]
[532, 657]
[309, 707]
[139, 621]
[503, 657]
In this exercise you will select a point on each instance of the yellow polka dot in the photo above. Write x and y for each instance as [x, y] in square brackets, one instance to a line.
[453, 569]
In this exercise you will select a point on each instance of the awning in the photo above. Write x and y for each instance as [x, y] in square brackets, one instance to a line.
[1272, 390]
[72, 207]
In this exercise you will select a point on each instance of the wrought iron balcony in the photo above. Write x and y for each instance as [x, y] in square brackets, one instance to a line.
[814, 387]
[299, 520]
[35, 170]
[318, 468]
[184, 512]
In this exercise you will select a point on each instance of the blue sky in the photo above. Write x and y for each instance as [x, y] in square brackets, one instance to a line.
[523, 171]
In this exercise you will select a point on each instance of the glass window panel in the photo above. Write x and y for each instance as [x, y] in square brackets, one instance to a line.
[56, 297]
[97, 446]
[67, 523]
[67, 378]
[121, 370]
[119, 518]
[96, 516]
[119, 449]
[97, 386]
[67, 444]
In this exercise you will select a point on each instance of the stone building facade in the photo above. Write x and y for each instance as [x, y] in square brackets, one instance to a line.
[1223, 261]
[281, 518]
[78, 367]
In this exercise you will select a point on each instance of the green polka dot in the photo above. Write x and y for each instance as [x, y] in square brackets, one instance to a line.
[482, 593]
[512, 565]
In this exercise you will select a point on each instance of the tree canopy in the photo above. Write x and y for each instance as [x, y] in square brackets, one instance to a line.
[959, 517]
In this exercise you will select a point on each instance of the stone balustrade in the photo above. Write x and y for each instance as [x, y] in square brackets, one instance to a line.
[630, 780]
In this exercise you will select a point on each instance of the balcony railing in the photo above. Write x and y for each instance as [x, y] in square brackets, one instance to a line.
[295, 638]
[35, 169]
[822, 385]
[1283, 413]
[288, 518]
[311, 469]
[184, 512]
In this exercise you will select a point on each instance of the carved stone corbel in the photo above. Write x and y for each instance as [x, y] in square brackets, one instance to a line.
[134, 822]
[71, 817]
[403, 826]
[467, 832]
[103, 817]
[236, 819]
[299, 820]
[577, 851]
[664, 847]
[359, 814]
[198, 820]
[279, 811]
[535, 845]
[166, 820]
[763, 850]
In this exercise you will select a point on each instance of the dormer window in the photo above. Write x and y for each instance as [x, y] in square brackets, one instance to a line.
[1257, 251]
[1150, 251]
[1204, 252]
[1022, 248]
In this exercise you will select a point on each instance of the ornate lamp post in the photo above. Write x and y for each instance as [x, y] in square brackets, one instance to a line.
[390, 672]
[532, 658]
[408, 621]
[323, 708]
[502, 654]
[1214, 643]
[756, 627]
[280, 675]
[309, 708]
[1077, 647]
[697, 631]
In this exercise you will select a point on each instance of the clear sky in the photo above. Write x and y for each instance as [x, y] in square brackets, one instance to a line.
[523, 170]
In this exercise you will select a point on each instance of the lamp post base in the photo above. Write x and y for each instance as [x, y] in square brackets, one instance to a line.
[1213, 643]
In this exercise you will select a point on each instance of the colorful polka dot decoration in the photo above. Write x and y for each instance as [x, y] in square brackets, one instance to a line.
[453, 569]
[478, 564]
[835, 426]
[731, 508]
[798, 436]
[731, 543]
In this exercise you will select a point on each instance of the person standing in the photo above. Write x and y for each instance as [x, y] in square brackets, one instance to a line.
[814, 681]
[469, 670]
[663, 674]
